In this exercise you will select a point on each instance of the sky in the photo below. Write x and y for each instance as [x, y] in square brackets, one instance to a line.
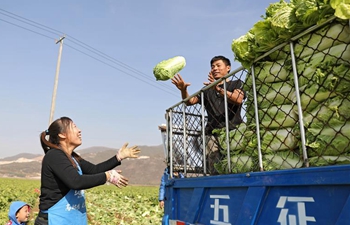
[106, 82]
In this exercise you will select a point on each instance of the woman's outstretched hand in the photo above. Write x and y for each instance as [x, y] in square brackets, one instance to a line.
[125, 152]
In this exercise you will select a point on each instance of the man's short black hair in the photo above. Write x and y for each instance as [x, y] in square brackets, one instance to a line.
[220, 57]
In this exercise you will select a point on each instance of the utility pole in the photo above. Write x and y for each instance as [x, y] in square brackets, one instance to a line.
[53, 101]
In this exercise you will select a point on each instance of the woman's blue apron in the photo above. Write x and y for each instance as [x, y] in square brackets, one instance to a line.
[70, 209]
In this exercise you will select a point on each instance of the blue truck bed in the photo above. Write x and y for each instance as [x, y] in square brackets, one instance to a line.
[304, 196]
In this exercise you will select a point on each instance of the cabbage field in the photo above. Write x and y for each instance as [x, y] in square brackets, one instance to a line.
[105, 204]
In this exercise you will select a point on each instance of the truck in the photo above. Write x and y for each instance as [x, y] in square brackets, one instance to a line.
[288, 163]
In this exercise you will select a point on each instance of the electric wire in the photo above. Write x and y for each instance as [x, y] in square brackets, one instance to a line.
[27, 29]
[116, 68]
[32, 23]
[81, 44]
[109, 58]
[76, 41]
[84, 46]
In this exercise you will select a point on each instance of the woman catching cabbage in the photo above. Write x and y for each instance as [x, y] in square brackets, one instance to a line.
[65, 175]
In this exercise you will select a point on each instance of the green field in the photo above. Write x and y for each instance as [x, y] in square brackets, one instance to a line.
[105, 204]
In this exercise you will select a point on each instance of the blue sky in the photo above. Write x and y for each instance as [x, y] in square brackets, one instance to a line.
[106, 84]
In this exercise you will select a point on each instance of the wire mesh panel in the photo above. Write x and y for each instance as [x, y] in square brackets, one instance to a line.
[296, 111]
[186, 139]
[235, 155]
[324, 76]
[199, 146]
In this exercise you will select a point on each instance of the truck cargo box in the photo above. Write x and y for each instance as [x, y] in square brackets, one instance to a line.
[288, 163]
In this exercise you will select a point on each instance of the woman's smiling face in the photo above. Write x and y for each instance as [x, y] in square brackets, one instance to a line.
[74, 135]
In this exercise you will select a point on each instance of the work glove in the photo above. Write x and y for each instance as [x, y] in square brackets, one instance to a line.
[126, 152]
[117, 179]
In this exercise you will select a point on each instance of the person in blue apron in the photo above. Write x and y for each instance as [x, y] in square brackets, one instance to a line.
[65, 175]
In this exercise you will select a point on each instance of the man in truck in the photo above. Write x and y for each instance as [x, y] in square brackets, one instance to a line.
[215, 105]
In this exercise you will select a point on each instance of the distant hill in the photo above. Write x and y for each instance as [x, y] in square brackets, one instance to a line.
[146, 170]
[94, 149]
[21, 155]
[145, 150]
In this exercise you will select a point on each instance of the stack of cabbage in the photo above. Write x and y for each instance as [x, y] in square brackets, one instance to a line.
[243, 158]
[282, 21]
[323, 67]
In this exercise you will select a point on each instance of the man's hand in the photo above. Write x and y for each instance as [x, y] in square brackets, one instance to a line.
[161, 204]
[179, 82]
[117, 179]
[211, 80]
[126, 152]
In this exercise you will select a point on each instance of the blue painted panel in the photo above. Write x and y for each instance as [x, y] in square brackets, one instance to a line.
[219, 204]
[304, 205]
[290, 197]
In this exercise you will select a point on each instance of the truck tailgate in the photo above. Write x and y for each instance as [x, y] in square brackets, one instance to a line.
[285, 197]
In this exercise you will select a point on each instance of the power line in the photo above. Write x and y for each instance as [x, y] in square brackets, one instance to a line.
[86, 47]
[78, 42]
[116, 68]
[90, 56]
[32, 23]
[109, 58]
[113, 60]
[27, 29]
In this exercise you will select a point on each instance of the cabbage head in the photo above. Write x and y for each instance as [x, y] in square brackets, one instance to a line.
[167, 69]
